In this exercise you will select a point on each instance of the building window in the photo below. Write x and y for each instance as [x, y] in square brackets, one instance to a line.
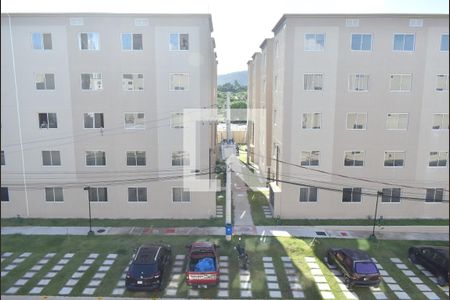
[180, 158]
[401, 82]
[444, 42]
[351, 195]
[313, 82]
[91, 81]
[311, 120]
[179, 82]
[438, 159]
[45, 81]
[3, 157]
[137, 194]
[176, 120]
[132, 41]
[391, 195]
[397, 121]
[354, 159]
[93, 120]
[41, 41]
[434, 195]
[133, 82]
[54, 194]
[5, 194]
[442, 82]
[47, 120]
[95, 158]
[181, 195]
[308, 194]
[51, 158]
[361, 42]
[314, 42]
[89, 41]
[310, 158]
[356, 121]
[135, 120]
[394, 158]
[404, 42]
[179, 41]
[440, 121]
[136, 158]
[358, 82]
[98, 194]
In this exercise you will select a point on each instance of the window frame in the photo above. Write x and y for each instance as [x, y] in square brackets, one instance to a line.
[133, 79]
[310, 154]
[356, 76]
[312, 128]
[97, 194]
[395, 158]
[136, 158]
[94, 120]
[308, 194]
[3, 158]
[51, 158]
[95, 158]
[436, 84]
[172, 122]
[48, 122]
[352, 195]
[440, 46]
[183, 190]
[313, 81]
[361, 34]
[91, 83]
[390, 196]
[434, 195]
[354, 160]
[179, 41]
[137, 188]
[42, 41]
[135, 117]
[179, 90]
[315, 38]
[398, 122]
[183, 164]
[53, 193]
[402, 75]
[439, 159]
[357, 114]
[442, 121]
[5, 189]
[132, 41]
[80, 43]
[404, 34]
[45, 81]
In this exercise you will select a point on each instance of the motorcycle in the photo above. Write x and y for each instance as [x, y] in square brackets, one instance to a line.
[243, 256]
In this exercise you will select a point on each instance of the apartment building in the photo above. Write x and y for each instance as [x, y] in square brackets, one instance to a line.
[92, 109]
[359, 109]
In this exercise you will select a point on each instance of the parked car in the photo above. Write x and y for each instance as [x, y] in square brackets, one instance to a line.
[357, 267]
[432, 258]
[148, 267]
[203, 264]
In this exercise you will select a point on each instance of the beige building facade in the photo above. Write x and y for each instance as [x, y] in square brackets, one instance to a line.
[96, 100]
[359, 106]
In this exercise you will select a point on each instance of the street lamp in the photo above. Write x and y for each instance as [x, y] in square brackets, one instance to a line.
[90, 232]
[375, 217]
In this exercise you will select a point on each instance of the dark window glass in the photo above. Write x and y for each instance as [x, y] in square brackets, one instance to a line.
[5, 194]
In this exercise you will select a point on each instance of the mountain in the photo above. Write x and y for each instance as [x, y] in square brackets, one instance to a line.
[241, 77]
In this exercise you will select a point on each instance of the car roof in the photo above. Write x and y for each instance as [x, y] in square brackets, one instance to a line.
[355, 254]
[147, 254]
[202, 245]
[441, 249]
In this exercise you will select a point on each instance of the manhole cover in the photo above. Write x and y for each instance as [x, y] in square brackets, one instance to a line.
[321, 233]
[101, 230]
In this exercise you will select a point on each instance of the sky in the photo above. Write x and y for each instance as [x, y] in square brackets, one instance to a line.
[240, 26]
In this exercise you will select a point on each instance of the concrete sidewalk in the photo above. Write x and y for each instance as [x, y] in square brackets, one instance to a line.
[425, 233]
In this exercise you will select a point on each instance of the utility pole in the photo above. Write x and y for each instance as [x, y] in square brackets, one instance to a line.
[277, 165]
[90, 232]
[228, 225]
[375, 217]
[228, 117]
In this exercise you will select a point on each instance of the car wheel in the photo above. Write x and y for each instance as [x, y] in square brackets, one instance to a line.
[441, 280]
[329, 260]
[347, 281]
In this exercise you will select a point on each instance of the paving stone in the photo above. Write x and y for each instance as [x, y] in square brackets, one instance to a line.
[43, 282]
[112, 255]
[395, 287]
[88, 291]
[269, 271]
[36, 268]
[295, 286]
[175, 276]
[379, 295]
[402, 266]
[83, 268]
[313, 265]
[423, 288]
[171, 292]
[271, 278]
[12, 290]
[18, 260]
[65, 291]
[94, 283]
[380, 267]
[224, 258]
[327, 295]
[267, 258]
[176, 270]
[223, 277]
[246, 285]
[63, 261]
[402, 295]
[224, 285]
[71, 282]
[118, 291]
[396, 260]
[316, 272]
[292, 278]
[431, 296]
[320, 278]
[178, 263]
[173, 284]
[427, 273]
[323, 287]
[288, 265]
[57, 268]
[50, 255]
[246, 294]
[285, 258]
[25, 254]
[7, 254]
[224, 270]
[193, 293]
[121, 283]
[420, 267]
[310, 259]
[104, 268]
[383, 273]
[244, 272]
[291, 271]
[93, 255]
[223, 264]
[4, 273]
[88, 261]
[273, 286]
[50, 275]
[275, 294]
[416, 280]
[408, 273]
[180, 256]
[42, 262]
[349, 295]
[223, 293]
[29, 274]
[389, 280]
[298, 294]
[2, 259]
[21, 282]
[101, 275]
[108, 262]
[36, 290]
[69, 255]
[374, 259]
[268, 265]
[77, 274]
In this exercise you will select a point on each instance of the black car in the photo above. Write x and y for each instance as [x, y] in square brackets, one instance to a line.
[432, 258]
[356, 265]
[147, 269]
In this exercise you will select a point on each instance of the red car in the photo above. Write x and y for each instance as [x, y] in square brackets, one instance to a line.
[203, 264]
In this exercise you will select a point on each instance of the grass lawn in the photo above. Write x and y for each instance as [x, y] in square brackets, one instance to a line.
[256, 247]
[258, 199]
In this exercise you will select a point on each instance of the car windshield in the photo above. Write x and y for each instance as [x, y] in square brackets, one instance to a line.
[365, 268]
[144, 270]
